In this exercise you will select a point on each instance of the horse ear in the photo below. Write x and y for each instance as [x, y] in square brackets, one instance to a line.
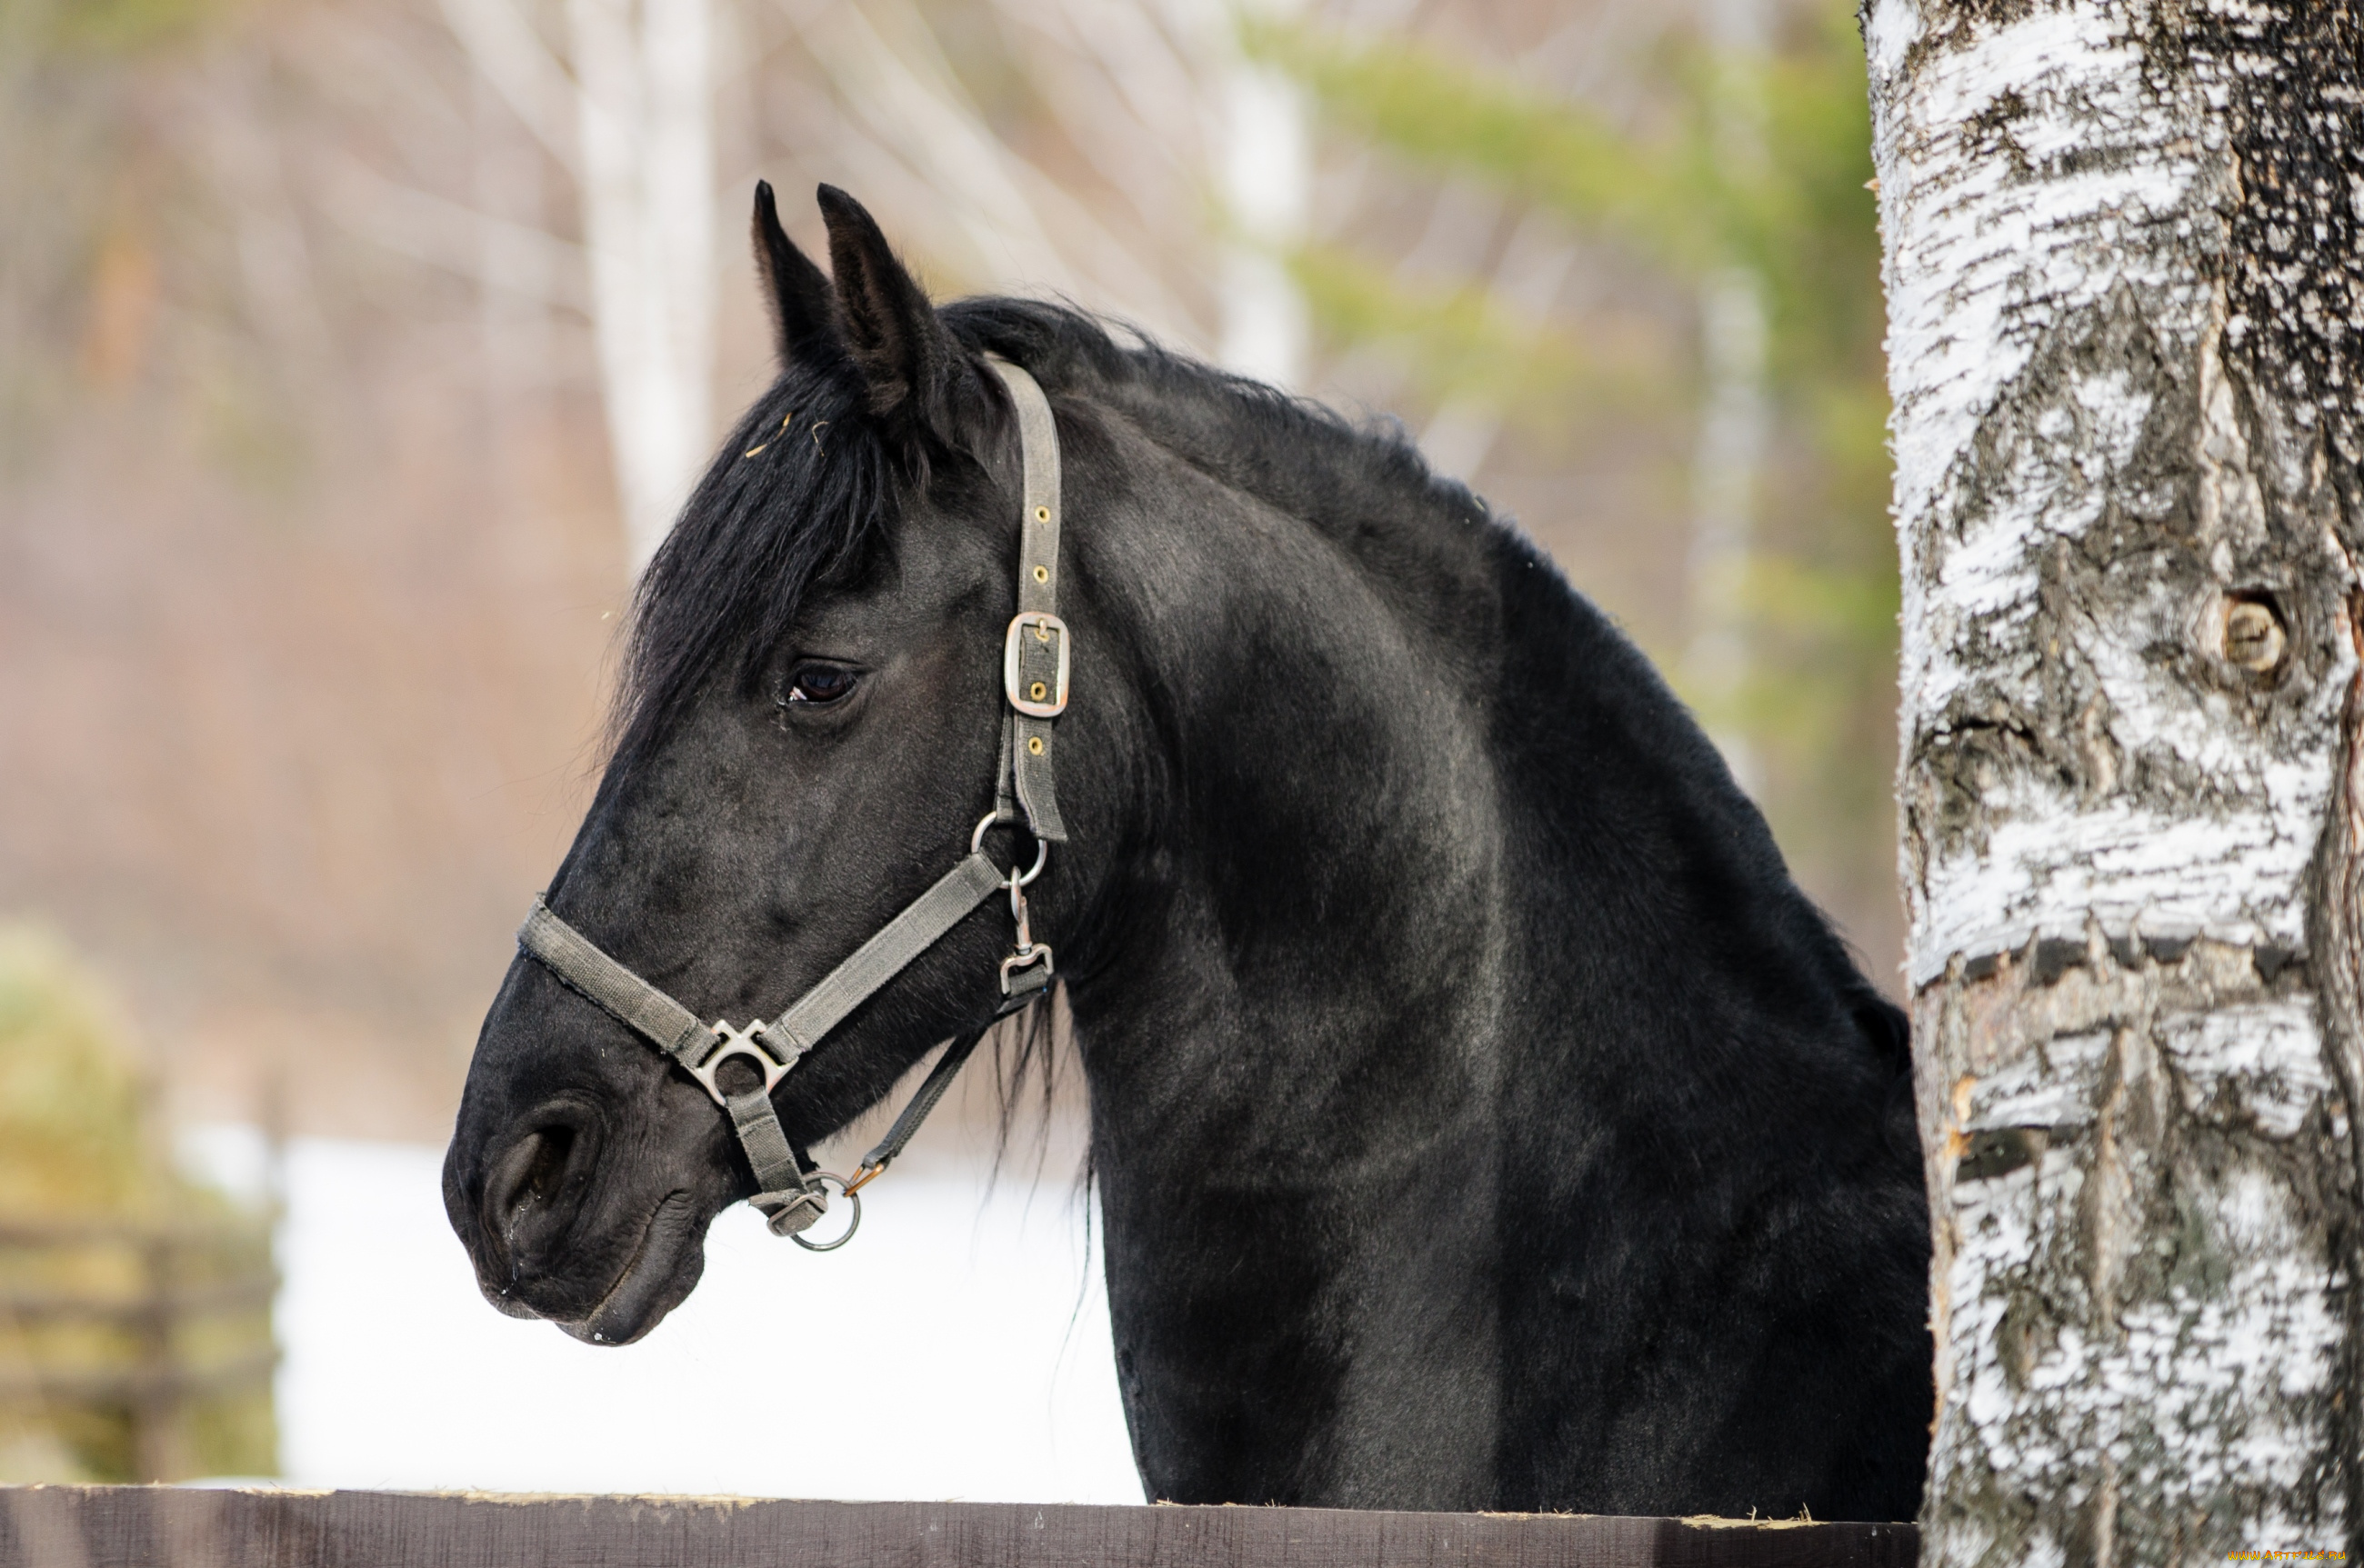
[797, 292]
[897, 341]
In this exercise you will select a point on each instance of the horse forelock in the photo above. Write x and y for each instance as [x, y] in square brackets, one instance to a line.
[800, 496]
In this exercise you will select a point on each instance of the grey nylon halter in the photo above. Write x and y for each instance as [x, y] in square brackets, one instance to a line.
[1035, 658]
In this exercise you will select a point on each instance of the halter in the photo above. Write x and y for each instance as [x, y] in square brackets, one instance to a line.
[1035, 658]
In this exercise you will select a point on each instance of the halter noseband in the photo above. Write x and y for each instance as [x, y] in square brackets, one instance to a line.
[1035, 658]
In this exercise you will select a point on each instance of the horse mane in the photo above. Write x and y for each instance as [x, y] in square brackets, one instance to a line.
[1297, 455]
[804, 492]
[800, 497]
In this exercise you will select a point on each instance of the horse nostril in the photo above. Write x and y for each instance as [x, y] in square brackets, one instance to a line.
[551, 1145]
[531, 1182]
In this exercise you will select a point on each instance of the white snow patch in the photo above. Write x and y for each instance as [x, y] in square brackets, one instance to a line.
[959, 1347]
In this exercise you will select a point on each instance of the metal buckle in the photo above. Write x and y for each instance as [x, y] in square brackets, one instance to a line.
[852, 1222]
[1042, 849]
[1038, 980]
[1044, 626]
[796, 1211]
[740, 1042]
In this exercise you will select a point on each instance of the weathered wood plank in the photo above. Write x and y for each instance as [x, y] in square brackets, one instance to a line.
[161, 1527]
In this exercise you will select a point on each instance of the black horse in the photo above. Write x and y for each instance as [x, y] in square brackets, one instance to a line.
[1482, 1116]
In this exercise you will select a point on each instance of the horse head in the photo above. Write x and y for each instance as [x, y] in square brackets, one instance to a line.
[811, 734]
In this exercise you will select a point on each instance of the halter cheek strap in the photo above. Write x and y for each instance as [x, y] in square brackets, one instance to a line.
[1034, 652]
[1035, 660]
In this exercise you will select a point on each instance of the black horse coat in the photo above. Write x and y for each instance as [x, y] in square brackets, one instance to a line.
[1482, 1118]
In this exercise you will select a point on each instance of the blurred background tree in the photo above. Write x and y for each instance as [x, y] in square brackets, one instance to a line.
[1747, 188]
[135, 1304]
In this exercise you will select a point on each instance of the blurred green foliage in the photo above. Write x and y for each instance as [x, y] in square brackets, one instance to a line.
[1820, 599]
[1455, 117]
[105, 27]
[71, 1103]
[1466, 344]
[83, 1158]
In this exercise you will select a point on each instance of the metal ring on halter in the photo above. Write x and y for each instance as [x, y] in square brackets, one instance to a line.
[851, 1225]
[747, 1043]
[1042, 849]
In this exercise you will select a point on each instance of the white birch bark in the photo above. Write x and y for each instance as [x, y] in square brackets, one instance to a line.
[644, 87]
[2122, 268]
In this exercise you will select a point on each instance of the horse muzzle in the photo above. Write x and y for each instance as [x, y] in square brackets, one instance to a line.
[549, 1239]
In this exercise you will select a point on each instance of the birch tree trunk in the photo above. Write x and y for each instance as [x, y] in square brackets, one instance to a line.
[2124, 294]
[1265, 177]
[644, 88]
[634, 125]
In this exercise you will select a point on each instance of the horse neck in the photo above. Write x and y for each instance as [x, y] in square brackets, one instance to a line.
[1315, 894]
[1402, 771]
[1437, 905]
[1284, 1014]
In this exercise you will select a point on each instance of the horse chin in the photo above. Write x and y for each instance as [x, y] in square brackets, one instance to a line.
[662, 1270]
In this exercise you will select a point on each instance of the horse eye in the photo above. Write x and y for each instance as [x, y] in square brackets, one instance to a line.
[818, 684]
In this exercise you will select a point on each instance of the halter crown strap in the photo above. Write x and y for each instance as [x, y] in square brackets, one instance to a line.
[1036, 660]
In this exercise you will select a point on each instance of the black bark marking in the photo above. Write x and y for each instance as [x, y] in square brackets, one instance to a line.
[2054, 957]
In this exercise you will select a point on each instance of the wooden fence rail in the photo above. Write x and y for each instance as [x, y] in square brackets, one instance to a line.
[164, 1526]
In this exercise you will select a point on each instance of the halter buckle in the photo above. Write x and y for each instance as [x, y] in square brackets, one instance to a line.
[1043, 627]
[1025, 974]
[747, 1043]
[854, 1221]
